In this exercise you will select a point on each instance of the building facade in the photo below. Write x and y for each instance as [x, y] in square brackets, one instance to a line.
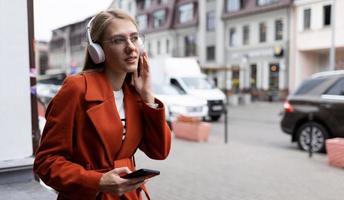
[256, 47]
[68, 43]
[170, 27]
[311, 38]
[127, 5]
[67, 47]
[41, 57]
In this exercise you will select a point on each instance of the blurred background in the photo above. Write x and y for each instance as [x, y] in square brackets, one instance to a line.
[234, 75]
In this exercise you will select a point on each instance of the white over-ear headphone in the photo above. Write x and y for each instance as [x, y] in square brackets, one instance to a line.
[95, 50]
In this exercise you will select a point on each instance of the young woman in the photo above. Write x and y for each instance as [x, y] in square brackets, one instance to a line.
[100, 117]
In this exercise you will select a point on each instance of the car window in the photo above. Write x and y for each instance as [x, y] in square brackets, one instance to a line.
[337, 88]
[309, 85]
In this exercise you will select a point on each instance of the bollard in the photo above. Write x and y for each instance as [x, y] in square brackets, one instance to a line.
[310, 148]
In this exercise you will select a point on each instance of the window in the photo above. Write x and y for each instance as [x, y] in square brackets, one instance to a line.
[253, 81]
[307, 19]
[142, 22]
[211, 53]
[327, 15]
[167, 46]
[278, 30]
[158, 18]
[337, 88]
[158, 47]
[149, 48]
[162, 1]
[129, 7]
[235, 79]
[266, 2]
[147, 3]
[246, 35]
[211, 20]
[262, 32]
[185, 12]
[190, 45]
[232, 37]
[234, 5]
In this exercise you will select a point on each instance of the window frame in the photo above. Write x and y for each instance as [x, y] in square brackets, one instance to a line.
[246, 37]
[263, 34]
[278, 33]
[307, 26]
[211, 56]
[327, 19]
[211, 21]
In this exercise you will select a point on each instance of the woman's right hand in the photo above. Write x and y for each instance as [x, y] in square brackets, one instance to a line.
[112, 182]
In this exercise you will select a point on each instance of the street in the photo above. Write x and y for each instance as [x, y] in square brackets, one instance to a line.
[258, 162]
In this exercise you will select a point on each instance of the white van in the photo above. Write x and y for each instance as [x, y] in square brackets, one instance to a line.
[186, 75]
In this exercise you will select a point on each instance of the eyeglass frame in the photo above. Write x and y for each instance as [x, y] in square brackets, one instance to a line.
[126, 42]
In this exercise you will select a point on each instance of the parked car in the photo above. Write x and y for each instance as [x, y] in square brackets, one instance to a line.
[177, 102]
[323, 96]
[48, 86]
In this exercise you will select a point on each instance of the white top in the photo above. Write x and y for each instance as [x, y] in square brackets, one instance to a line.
[119, 96]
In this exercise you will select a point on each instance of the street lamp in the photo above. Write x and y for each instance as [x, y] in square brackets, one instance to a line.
[332, 57]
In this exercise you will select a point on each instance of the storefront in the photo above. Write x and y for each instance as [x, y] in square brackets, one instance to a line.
[260, 72]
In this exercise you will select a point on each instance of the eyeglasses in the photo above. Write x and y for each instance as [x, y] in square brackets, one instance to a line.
[121, 40]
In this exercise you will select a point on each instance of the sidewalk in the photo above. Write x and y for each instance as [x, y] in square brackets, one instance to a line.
[258, 163]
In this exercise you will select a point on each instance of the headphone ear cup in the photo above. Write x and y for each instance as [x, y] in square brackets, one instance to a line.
[96, 52]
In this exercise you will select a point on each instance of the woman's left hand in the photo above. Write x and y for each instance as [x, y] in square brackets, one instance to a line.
[142, 81]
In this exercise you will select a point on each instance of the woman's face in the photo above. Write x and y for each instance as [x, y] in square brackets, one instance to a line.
[120, 45]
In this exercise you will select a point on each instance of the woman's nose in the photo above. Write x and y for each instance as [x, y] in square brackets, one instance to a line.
[130, 46]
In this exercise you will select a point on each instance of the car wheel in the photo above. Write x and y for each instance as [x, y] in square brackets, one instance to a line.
[319, 136]
[215, 117]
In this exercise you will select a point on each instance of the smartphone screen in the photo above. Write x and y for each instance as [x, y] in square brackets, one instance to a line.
[142, 173]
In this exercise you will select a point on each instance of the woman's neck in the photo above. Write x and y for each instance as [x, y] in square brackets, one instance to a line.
[116, 79]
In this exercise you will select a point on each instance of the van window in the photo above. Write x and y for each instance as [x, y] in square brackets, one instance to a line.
[197, 83]
[337, 88]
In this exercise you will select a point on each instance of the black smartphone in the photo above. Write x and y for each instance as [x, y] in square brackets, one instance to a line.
[142, 173]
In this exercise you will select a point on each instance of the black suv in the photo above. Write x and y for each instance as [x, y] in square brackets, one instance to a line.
[322, 96]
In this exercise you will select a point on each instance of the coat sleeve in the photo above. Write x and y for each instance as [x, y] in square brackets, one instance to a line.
[53, 163]
[156, 141]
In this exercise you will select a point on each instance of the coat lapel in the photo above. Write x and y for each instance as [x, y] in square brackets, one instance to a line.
[103, 113]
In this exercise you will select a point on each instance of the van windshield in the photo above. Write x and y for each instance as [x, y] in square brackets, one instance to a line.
[197, 83]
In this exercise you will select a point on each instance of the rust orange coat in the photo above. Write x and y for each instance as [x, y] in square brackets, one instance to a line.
[82, 137]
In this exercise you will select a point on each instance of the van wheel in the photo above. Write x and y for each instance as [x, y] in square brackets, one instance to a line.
[215, 117]
[319, 136]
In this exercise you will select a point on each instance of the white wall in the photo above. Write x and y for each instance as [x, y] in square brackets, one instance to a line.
[15, 117]
[318, 32]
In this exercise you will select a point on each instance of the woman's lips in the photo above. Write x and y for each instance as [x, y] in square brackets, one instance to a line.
[130, 60]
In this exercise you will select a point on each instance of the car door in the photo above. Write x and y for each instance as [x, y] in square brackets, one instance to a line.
[333, 102]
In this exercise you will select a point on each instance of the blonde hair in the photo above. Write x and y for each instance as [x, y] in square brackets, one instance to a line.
[98, 27]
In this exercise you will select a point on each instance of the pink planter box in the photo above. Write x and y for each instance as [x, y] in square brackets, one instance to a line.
[195, 131]
[335, 151]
